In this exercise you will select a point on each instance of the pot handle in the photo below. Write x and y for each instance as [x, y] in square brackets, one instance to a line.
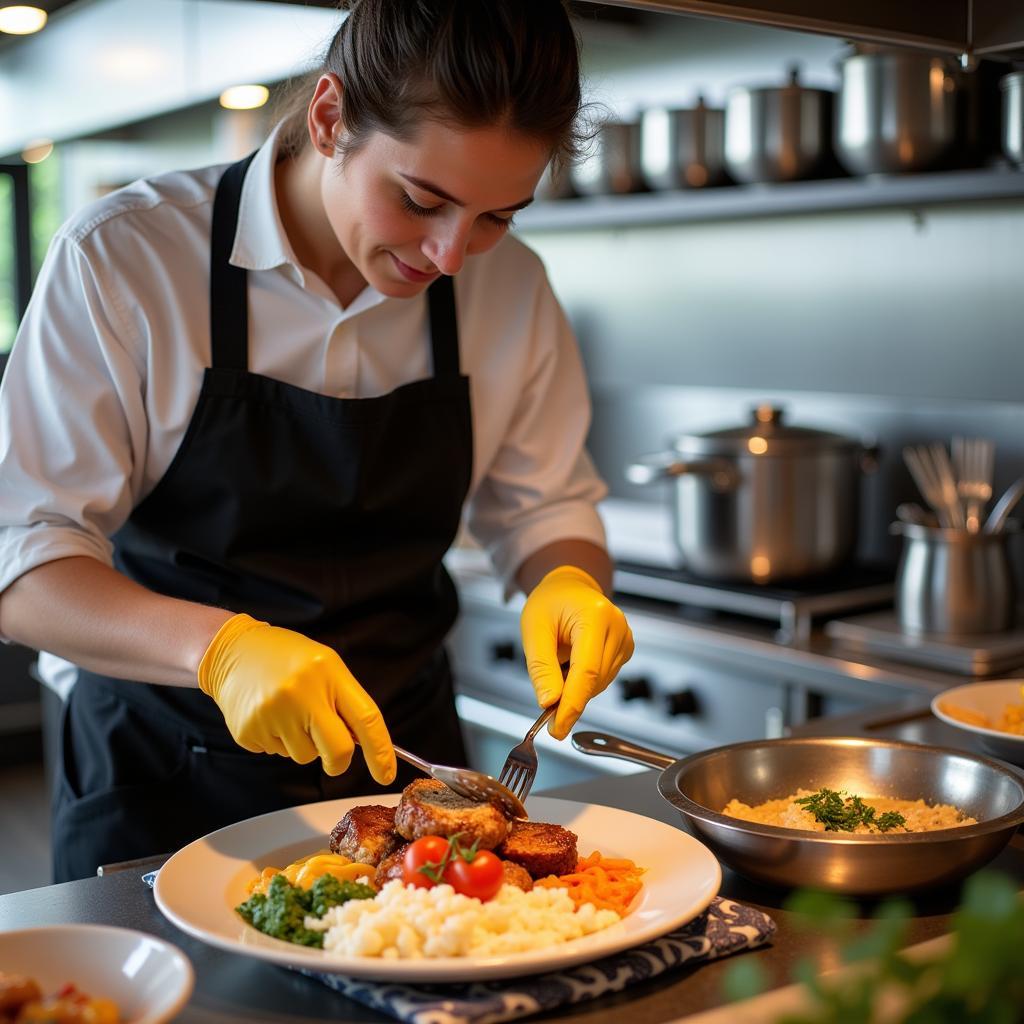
[662, 465]
[601, 744]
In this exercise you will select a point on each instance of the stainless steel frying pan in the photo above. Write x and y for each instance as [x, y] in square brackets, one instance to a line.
[700, 785]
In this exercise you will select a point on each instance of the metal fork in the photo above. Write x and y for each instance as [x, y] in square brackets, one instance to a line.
[520, 768]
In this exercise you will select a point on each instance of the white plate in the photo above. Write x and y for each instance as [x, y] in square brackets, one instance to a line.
[150, 980]
[989, 698]
[199, 887]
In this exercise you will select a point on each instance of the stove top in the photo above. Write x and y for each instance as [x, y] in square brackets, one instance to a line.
[794, 605]
[977, 655]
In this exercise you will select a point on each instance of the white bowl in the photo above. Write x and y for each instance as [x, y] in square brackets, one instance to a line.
[150, 980]
[989, 698]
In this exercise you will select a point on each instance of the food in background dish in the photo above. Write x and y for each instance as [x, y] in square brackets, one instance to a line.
[22, 1002]
[469, 892]
[829, 810]
[1011, 720]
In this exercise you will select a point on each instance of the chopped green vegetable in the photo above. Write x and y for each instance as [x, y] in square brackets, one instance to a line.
[844, 815]
[282, 911]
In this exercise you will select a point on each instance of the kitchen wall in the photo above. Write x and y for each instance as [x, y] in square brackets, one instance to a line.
[902, 324]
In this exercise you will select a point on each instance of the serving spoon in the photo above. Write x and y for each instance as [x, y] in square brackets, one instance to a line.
[471, 784]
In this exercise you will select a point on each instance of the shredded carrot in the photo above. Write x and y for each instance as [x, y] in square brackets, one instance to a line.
[610, 883]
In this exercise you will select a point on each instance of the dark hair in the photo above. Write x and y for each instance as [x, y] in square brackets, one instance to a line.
[469, 62]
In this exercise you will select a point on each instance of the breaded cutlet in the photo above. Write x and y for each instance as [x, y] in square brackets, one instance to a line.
[430, 808]
[366, 834]
[541, 848]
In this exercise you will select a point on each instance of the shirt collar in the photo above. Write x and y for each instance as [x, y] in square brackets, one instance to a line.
[260, 239]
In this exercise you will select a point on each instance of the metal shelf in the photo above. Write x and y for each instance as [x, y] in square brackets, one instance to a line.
[944, 26]
[734, 202]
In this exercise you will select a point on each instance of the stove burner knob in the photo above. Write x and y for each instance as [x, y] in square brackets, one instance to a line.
[504, 650]
[635, 688]
[682, 702]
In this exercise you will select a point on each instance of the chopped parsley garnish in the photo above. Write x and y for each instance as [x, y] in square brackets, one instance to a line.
[282, 911]
[840, 812]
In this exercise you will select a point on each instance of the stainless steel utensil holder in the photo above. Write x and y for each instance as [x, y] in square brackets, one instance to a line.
[950, 582]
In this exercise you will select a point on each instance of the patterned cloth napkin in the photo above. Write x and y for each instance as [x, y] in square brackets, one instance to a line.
[724, 928]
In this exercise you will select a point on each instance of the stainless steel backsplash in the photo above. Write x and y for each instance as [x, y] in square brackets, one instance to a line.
[902, 326]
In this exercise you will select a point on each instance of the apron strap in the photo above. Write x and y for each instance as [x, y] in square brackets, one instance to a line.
[444, 331]
[229, 306]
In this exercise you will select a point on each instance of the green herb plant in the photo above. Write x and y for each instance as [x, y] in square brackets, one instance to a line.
[979, 978]
[840, 812]
[281, 913]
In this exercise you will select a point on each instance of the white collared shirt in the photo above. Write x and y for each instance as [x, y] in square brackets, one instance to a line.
[109, 359]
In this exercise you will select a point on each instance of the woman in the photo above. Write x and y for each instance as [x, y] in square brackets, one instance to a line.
[243, 416]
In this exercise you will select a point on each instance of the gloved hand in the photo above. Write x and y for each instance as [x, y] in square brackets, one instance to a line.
[567, 616]
[282, 693]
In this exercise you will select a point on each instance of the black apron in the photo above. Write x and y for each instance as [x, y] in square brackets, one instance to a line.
[325, 515]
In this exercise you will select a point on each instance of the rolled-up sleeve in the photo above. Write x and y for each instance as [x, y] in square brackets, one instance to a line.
[541, 486]
[69, 392]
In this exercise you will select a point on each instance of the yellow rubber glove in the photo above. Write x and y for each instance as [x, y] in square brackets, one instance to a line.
[282, 693]
[568, 616]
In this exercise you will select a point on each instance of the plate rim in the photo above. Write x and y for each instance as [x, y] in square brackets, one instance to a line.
[448, 969]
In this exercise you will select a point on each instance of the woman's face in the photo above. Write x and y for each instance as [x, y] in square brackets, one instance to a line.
[406, 212]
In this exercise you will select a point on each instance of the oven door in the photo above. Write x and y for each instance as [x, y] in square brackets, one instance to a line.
[490, 733]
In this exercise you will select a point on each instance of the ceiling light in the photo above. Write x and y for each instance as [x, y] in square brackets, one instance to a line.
[244, 97]
[36, 152]
[21, 21]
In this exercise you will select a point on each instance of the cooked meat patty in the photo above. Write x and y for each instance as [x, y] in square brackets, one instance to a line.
[366, 834]
[541, 848]
[391, 867]
[516, 875]
[430, 808]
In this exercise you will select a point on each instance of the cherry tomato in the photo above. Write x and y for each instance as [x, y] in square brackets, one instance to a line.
[425, 850]
[480, 877]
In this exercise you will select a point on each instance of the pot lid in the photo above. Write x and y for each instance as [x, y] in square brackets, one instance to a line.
[766, 434]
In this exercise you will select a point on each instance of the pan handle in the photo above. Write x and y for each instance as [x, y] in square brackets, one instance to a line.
[601, 744]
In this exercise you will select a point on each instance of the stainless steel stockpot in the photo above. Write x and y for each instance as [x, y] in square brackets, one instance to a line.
[700, 785]
[779, 133]
[1012, 88]
[762, 502]
[612, 164]
[897, 111]
[683, 147]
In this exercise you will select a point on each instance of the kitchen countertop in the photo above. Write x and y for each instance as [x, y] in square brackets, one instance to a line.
[231, 987]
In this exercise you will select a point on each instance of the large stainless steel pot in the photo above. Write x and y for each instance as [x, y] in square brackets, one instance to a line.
[897, 111]
[1012, 87]
[700, 785]
[762, 502]
[682, 147]
[780, 133]
[612, 165]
